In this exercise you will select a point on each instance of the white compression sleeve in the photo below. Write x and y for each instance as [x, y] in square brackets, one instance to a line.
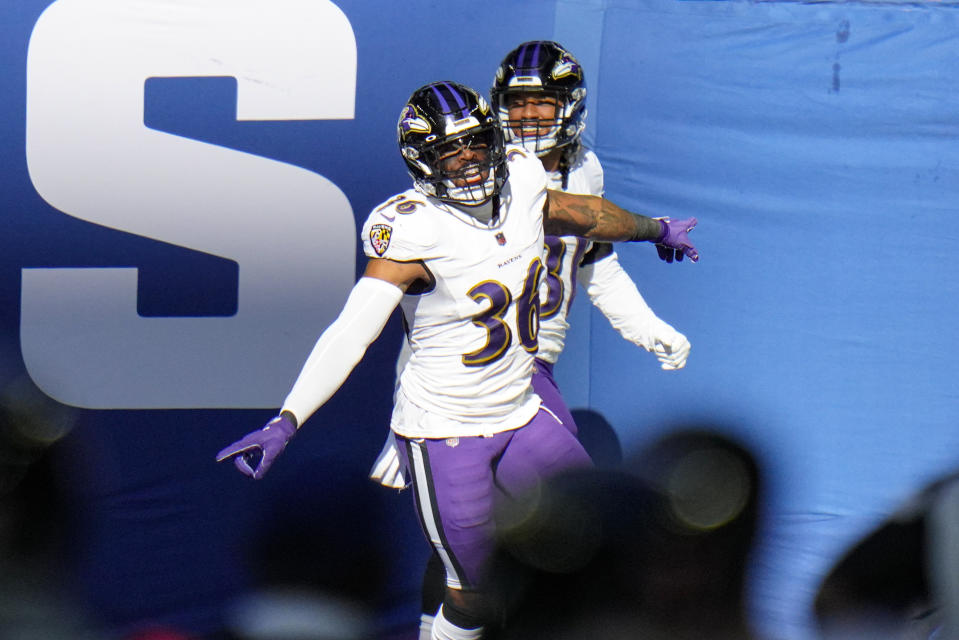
[615, 294]
[342, 345]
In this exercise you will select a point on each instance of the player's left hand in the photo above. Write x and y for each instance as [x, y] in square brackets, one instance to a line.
[671, 348]
[254, 454]
[674, 242]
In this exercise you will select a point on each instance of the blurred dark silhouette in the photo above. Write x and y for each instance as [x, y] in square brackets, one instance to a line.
[34, 587]
[656, 549]
[318, 564]
[900, 581]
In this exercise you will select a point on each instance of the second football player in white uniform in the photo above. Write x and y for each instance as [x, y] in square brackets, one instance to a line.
[539, 94]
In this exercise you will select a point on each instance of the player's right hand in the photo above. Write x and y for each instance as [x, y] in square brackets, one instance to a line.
[254, 454]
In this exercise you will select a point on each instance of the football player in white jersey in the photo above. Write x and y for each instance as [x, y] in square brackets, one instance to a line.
[461, 253]
[539, 96]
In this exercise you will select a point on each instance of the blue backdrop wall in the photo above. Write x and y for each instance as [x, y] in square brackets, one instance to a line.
[182, 185]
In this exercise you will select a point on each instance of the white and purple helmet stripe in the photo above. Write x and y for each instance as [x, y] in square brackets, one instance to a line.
[528, 57]
[452, 95]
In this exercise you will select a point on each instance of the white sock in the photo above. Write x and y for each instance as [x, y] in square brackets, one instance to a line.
[443, 629]
[426, 626]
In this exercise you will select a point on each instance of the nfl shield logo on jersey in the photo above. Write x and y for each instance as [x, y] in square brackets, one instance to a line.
[380, 237]
[501, 239]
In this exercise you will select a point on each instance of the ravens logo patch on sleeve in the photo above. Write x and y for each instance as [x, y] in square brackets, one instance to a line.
[380, 237]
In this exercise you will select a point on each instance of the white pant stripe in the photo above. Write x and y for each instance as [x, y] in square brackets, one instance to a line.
[428, 514]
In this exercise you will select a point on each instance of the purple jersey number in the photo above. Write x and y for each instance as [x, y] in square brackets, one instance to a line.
[555, 286]
[499, 336]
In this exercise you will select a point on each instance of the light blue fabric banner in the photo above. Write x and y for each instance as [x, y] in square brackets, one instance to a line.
[816, 143]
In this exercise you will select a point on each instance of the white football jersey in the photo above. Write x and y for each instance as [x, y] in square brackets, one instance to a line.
[472, 332]
[562, 258]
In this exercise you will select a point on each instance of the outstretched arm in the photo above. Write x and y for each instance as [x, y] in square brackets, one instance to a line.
[614, 293]
[336, 353]
[596, 218]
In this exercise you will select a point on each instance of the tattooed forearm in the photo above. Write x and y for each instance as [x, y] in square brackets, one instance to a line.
[595, 218]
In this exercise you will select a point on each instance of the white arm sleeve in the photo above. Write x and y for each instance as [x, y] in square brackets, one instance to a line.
[613, 292]
[342, 345]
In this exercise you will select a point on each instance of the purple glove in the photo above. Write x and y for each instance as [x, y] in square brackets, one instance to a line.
[673, 242]
[254, 454]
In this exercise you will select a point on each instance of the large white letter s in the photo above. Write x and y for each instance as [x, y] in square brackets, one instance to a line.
[90, 155]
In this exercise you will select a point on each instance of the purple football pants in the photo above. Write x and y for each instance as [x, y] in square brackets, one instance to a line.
[545, 387]
[456, 482]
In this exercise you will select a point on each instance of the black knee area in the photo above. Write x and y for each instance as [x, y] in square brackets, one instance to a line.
[466, 609]
[434, 584]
